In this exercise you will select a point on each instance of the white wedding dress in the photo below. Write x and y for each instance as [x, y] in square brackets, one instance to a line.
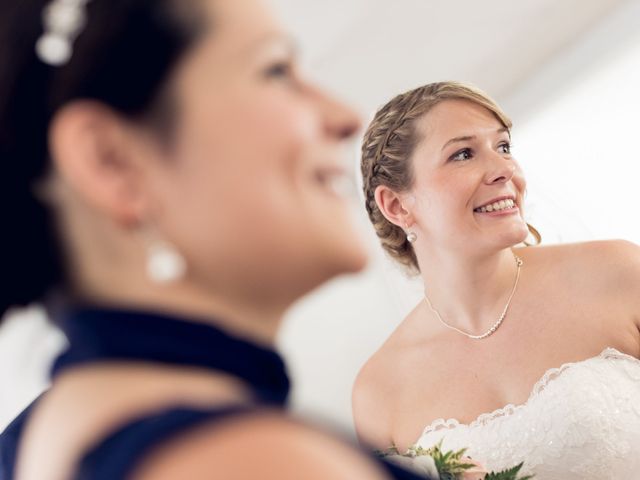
[581, 421]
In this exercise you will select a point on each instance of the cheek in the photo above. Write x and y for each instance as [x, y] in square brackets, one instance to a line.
[276, 117]
[252, 136]
[263, 149]
[448, 192]
[263, 135]
[519, 181]
[241, 167]
[444, 200]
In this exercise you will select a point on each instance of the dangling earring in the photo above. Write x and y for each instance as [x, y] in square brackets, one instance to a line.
[164, 263]
[411, 236]
[533, 232]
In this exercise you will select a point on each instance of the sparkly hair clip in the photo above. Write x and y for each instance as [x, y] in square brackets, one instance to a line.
[63, 21]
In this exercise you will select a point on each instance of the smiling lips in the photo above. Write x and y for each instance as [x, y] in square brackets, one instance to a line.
[497, 206]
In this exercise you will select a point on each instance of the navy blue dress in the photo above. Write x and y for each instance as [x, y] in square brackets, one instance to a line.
[99, 335]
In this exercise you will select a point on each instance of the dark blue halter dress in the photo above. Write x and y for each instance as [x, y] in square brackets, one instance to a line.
[99, 335]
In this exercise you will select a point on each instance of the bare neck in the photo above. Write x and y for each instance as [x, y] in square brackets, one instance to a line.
[239, 314]
[469, 292]
[106, 265]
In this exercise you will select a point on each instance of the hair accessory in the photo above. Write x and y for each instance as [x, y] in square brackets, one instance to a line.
[63, 21]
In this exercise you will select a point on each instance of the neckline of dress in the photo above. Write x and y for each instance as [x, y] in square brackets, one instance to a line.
[98, 335]
[508, 410]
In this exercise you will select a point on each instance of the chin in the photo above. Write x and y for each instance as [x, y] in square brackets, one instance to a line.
[346, 257]
[349, 257]
[313, 266]
[314, 276]
[342, 246]
[516, 236]
[357, 261]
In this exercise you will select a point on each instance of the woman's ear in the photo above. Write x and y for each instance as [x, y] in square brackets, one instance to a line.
[394, 206]
[92, 154]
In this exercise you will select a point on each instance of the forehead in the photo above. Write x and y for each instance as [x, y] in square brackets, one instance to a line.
[242, 33]
[454, 118]
[242, 20]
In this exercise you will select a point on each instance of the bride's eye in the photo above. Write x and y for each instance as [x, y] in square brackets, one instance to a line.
[505, 147]
[461, 155]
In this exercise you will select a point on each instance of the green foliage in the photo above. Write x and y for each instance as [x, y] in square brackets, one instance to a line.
[509, 474]
[392, 450]
[451, 465]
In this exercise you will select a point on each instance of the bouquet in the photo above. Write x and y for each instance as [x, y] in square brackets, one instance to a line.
[435, 464]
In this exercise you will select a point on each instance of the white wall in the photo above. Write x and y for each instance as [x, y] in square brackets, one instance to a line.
[577, 123]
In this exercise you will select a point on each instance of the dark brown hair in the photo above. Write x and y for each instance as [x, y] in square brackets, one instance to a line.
[122, 58]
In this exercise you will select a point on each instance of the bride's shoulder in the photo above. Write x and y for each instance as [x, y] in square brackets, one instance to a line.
[614, 256]
[389, 375]
[377, 373]
[412, 336]
[372, 401]
[375, 388]
[604, 270]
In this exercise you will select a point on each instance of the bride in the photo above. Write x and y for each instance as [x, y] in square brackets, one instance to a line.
[518, 353]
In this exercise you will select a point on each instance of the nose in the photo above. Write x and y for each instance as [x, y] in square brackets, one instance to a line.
[500, 170]
[340, 121]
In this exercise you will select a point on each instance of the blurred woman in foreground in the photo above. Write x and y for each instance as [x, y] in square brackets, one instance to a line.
[169, 190]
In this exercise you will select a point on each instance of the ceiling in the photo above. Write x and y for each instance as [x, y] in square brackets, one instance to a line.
[366, 49]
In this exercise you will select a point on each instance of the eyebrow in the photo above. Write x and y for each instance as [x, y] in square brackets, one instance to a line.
[466, 138]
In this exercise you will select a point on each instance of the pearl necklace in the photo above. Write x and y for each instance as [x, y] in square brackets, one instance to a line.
[496, 325]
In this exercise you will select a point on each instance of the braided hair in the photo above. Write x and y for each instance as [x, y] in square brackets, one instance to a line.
[388, 146]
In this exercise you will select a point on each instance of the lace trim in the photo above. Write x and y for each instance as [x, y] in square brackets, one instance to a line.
[508, 410]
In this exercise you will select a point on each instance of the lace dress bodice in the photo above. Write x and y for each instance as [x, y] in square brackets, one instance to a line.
[581, 421]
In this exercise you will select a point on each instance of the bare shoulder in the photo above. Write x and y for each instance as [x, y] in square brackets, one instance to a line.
[265, 445]
[605, 269]
[371, 396]
[378, 384]
[619, 262]
[88, 402]
[617, 258]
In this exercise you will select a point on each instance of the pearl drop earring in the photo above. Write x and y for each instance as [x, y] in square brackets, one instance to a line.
[411, 237]
[164, 263]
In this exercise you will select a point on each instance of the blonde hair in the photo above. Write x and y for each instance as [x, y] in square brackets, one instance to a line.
[388, 145]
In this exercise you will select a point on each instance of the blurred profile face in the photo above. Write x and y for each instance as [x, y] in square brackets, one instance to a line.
[247, 191]
[468, 189]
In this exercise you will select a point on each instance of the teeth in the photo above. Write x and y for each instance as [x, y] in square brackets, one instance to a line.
[497, 206]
